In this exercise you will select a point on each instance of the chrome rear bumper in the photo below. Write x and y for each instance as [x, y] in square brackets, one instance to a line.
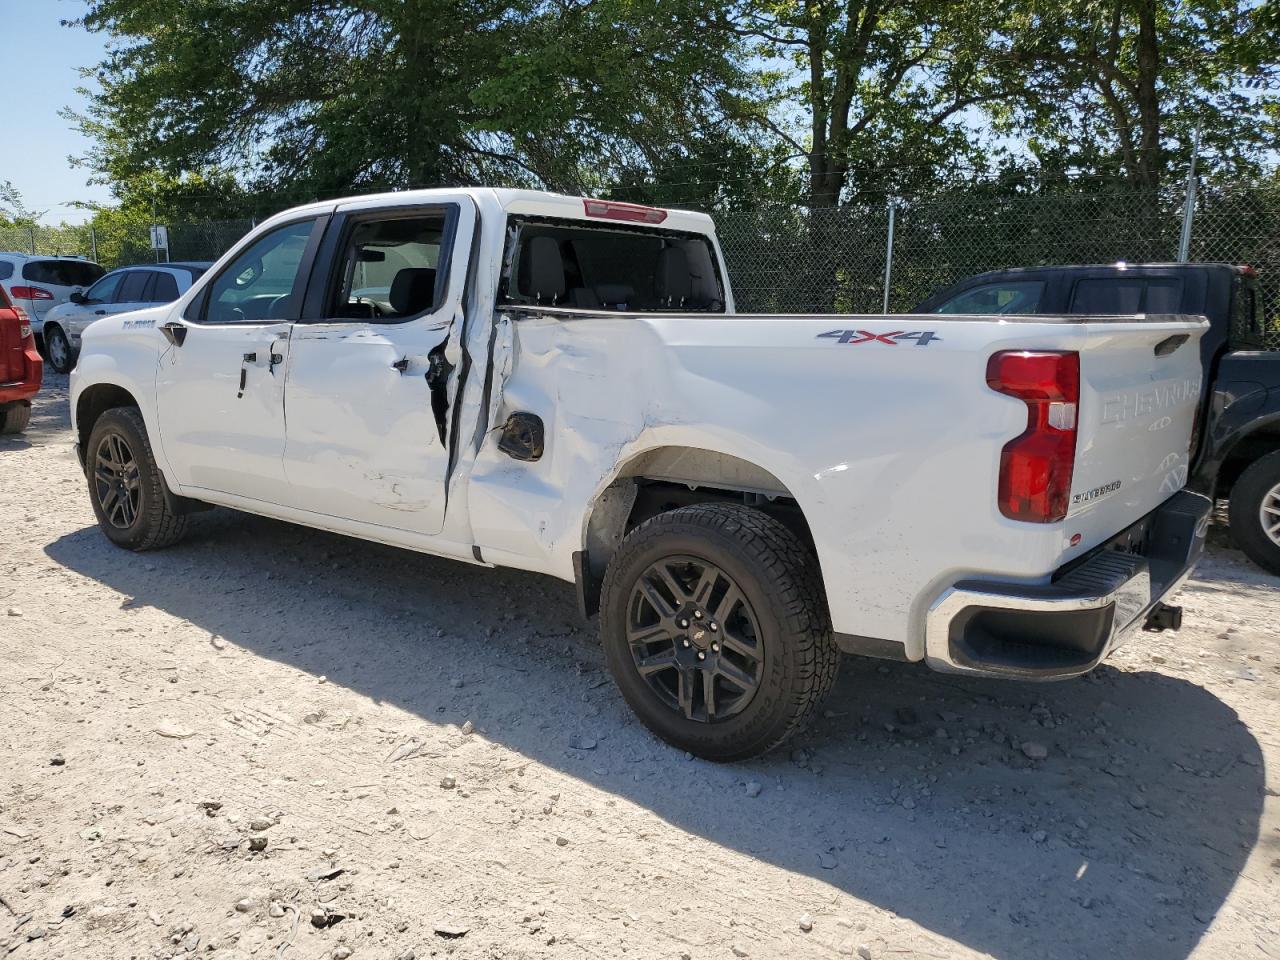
[1066, 627]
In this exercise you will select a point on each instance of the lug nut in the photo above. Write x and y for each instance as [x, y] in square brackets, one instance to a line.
[686, 643]
[701, 655]
[713, 626]
[697, 614]
[682, 624]
[715, 648]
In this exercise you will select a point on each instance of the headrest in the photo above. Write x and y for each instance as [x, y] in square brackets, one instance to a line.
[413, 290]
[615, 294]
[542, 270]
[673, 282]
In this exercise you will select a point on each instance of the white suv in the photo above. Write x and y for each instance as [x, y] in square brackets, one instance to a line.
[129, 288]
[38, 284]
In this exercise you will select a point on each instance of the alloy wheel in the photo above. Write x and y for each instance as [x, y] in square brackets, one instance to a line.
[1269, 514]
[694, 638]
[117, 481]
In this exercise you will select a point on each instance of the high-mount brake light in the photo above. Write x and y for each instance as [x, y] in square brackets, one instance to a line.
[630, 212]
[1036, 467]
[31, 293]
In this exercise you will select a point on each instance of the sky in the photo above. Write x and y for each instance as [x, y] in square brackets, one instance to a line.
[43, 57]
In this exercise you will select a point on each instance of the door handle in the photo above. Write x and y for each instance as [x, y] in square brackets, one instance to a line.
[275, 360]
[100, 313]
[250, 358]
[174, 332]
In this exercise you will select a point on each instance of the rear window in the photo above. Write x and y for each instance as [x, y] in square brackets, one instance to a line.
[594, 268]
[1124, 295]
[62, 273]
[165, 289]
[6, 269]
[133, 289]
[1247, 324]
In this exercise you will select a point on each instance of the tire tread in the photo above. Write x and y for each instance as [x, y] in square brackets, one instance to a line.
[793, 570]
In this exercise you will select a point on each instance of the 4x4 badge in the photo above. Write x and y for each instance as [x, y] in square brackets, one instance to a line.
[854, 337]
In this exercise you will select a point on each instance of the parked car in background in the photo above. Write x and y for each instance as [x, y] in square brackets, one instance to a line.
[38, 284]
[1236, 453]
[129, 288]
[20, 366]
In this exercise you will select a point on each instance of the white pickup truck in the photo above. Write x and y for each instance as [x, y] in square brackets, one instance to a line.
[515, 378]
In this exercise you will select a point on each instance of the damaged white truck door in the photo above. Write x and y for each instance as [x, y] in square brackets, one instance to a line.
[366, 399]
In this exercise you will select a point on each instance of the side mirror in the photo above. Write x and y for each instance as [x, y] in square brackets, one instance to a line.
[78, 297]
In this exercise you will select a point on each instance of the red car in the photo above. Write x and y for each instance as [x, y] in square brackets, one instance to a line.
[20, 367]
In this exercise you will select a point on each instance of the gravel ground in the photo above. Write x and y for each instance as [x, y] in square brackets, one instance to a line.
[277, 743]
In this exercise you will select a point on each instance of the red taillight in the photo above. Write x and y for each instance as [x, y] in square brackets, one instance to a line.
[631, 212]
[31, 293]
[1036, 467]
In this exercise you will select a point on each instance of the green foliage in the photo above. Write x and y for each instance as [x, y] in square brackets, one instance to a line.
[300, 99]
[222, 108]
[1115, 88]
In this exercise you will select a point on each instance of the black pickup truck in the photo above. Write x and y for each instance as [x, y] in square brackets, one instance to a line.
[1236, 449]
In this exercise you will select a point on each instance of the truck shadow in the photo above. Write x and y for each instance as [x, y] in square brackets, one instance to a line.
[911, 792]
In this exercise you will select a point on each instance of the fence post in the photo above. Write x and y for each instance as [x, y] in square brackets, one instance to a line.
[93, 242]
[1189, 208]
[888, 256]
[32, 230]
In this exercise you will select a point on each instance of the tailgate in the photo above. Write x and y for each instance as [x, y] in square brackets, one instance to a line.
[1140, 387]
[13, 363]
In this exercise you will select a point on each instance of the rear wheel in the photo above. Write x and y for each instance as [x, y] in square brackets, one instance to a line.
[15, 416]
[125, 485]
[1255, 512]
[716, 630]
[62, 356]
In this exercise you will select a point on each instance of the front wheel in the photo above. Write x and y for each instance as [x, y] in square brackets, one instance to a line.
[716, 630]
[1255, 512]
[62, 356]
[125, 485]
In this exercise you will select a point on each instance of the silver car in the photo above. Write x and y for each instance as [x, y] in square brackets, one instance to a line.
[129, 288]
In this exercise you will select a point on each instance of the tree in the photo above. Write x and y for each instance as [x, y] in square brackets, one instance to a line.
[1115, 88]
[306, 98]
[870, 94]
[13, 210]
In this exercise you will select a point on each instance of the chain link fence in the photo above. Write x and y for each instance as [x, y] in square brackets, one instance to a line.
[866, 257]
[861, 257]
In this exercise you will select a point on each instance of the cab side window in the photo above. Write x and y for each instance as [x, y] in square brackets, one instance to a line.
[391, 268]
[1124, 295]
[1013, 296]
[104, 291]
[265, 282]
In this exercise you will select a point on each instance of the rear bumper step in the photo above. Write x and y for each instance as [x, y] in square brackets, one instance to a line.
[1066, 627]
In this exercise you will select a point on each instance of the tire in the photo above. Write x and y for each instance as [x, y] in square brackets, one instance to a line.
[138, 517]
[1255, 510]
[15, 416]
[776, 630]
[62, 355]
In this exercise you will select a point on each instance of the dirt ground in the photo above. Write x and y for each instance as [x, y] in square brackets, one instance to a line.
[277, 743]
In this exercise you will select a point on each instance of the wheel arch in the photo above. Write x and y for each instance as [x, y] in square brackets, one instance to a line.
[93, 402]
[1261, 439]
[665, 477]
